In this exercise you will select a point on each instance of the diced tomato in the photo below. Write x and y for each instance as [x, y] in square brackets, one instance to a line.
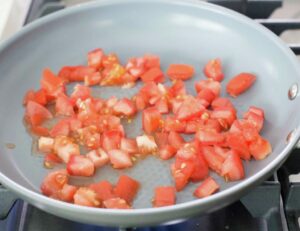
[119, 159]
[92, 79]
[63, 106]
[126, 188]
[175, 140]
[173, 124]
[162, 106]
[260, 148]
[201, 170]
[95, 58]
[90, 137]
[210, 137]
[237, 142]
[146, 144]
[164, 196]
[154, 74]
[99, 157]
[66, 193]
[180, 71]
[177, 89]
[110, 60]
[211, 125]
[81, 92]
[256, 120]
[207, 95]
[151, 61]
[139, 102]
[54, 182]
[176, 103]
[74, 124]
[124, 107]
[39, 130]
[258, 111]
[61, 128]
[151, 119]
[214, 86]
[65, 72]
[213, 70]
[79, 165]
[222, 152]
[161, 138]
[240, 83]
[45, 144]
[224, 114]
[232, 168]
[221, 103]
[249, 130]
[39, 97]
[150, 93]
[86, 197]
[103, 189]
[65, 148]
[112, 75]
[78, 73]
[181, 171]
[116, 203]
[186, 152]
[192, 126]
[213, 160]
[166, 152]
[51, 83]
[111, 140]
[36, 114]
[189, 109]
[135, 67]
[129, 145]
[206, 188]
[51, 160]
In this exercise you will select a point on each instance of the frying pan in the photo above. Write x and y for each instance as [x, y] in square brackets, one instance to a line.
[179, 32]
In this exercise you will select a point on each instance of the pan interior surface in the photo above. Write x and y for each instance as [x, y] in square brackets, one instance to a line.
[177, 31]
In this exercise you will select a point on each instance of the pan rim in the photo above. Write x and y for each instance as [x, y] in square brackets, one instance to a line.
[38, 197]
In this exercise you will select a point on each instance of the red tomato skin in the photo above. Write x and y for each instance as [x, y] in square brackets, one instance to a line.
[213, 70]
[221, 103]
[80, 165]
[164, 196]
[103, 189]
[175, 140]
[36, 114]
[180, 71]
[151, 61]
[206, 188]
[39, 131]
[226, 114]
[181, 171]
[240, 83]
[177, 89]
[232, 168]
[39, 97]
[126, 188]
[237, 142]
[151, 119]
[189, 109]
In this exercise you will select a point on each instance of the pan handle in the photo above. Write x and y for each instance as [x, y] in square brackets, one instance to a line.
[7, 200]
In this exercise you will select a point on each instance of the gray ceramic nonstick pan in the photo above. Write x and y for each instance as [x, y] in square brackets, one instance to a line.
[179, 32]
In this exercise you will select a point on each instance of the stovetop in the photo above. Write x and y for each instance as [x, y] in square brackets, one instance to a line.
[272, 206]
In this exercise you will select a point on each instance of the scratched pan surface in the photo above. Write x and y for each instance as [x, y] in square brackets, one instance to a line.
[178, 31]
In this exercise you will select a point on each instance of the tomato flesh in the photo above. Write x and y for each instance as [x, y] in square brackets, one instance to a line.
[164, 196]
[206, 188]
[240, 83]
